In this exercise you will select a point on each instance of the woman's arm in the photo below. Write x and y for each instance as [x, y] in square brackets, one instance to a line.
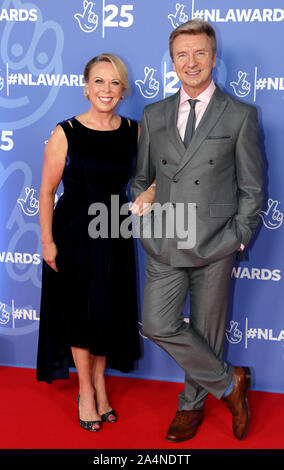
[144, 199]
[143, 203]
[53, 166]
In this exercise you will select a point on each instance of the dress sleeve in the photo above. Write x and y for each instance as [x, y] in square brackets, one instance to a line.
[67, 126]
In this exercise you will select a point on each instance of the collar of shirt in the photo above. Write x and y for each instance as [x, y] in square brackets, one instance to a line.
[184, 107]
[204, 97]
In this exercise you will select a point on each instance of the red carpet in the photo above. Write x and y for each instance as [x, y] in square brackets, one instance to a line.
[41, 416]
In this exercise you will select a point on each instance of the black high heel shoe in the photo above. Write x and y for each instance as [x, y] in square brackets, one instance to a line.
[109, 417]
[88, 425]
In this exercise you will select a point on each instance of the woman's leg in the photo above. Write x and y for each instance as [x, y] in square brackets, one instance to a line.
[84, 364]
[99, 365]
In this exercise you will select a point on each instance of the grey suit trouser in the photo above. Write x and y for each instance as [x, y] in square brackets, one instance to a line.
[196, 346]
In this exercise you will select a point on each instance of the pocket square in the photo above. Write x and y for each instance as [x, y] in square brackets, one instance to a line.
[217, 137]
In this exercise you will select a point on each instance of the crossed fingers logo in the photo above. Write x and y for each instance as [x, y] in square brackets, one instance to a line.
[272, 218]
[88, 19]
[149, 86]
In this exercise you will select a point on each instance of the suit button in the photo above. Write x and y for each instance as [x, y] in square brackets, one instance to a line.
[164, 162]
[175, 180]
[197, 182]
[211, 162]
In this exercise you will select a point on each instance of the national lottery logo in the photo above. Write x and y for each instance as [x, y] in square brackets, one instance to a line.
[29, 204]
[241, 86]
[272, 217]
[233, 334]
[179, 16]
[236, 334]
[17, 320]
[19, 226]
[246, 83]
[87, 19]
[184, 12]
[107, 15]
[149, 87]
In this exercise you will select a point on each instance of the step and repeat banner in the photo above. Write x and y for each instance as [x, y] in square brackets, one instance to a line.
[44, 47]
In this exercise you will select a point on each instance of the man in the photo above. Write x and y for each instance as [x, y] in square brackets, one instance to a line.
[218, 172]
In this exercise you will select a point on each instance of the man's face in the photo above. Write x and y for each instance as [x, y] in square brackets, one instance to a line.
[193, 61]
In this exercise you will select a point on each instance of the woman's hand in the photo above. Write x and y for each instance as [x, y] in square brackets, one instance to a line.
[143, 203]
[49, 253]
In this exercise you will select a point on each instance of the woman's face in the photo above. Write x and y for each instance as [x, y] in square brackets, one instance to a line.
[104, 87]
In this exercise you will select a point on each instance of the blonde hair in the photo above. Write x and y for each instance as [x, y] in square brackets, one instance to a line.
[195, 26]
[117, 64]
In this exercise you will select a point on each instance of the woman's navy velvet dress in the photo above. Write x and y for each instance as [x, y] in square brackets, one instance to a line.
[92, 301]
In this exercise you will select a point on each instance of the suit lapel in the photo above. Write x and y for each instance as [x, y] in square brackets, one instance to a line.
[171, 115]
[213, 112]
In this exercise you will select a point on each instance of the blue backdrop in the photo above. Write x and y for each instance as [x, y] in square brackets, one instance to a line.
[44, 47]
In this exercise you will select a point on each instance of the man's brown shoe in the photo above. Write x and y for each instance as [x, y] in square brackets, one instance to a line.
[184, 425]
[237, 402]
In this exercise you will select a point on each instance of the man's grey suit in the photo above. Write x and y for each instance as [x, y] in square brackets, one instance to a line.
[221, 172]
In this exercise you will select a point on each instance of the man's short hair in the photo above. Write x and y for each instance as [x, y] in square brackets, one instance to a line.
[195, 26]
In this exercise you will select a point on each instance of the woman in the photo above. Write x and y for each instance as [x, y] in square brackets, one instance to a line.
[89, 303]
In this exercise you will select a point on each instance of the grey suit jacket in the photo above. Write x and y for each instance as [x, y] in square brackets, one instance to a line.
[220, 174]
